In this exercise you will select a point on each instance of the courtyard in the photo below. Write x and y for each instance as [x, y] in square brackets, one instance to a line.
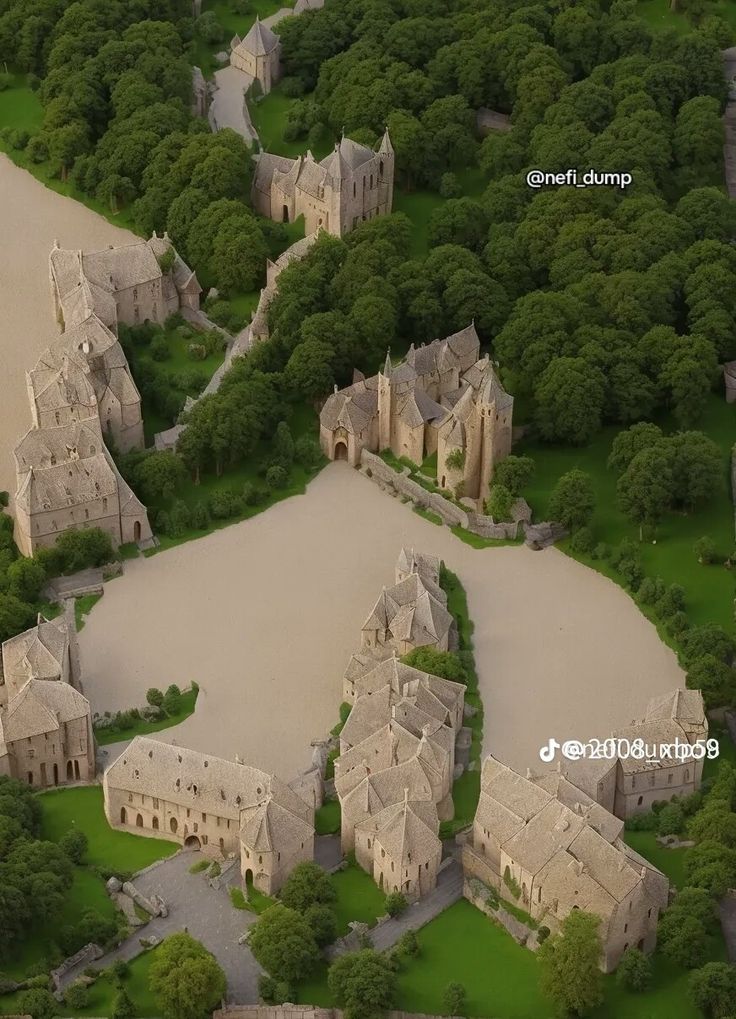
[264, 615]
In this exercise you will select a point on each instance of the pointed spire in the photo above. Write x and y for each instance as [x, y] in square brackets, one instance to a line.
[386, 146]
[387, 365]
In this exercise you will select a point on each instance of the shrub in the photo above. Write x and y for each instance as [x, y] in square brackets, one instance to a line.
[196, 351]
[276, 477]
[225, 504]
[159, 348]
[155, 697]
[450, 186]
[293, 87]
[120, 969]
[37, 149]
[307, 451]
[252, 495]
[672, 601]
[76, 996]
[408, 943]
[172, 700]
[635, 970]
[38, 1003]
[74, 844]
[283, 444]
[493, 899]
[453, 999]
[705, 550]
[582, 541]
[395, 903]
[122, 1005]
[274, 992]
[602, 551]
[19, 139]
[180, 519]
[200, 516]
[671, 819]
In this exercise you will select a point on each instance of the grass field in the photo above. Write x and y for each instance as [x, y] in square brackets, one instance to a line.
[327, 818]
[82, 607]
[358, 898]
[144, 728]
[658, 14]
[709, 590]
[269, 115]
[82, 807]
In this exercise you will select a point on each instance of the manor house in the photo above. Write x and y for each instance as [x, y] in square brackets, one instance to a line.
[630, 785]
[353, 184]
[545, 845]
[396, 765]
[443, 399]
[204, 802]
[131, 283]
[46, 734]
[66, 479]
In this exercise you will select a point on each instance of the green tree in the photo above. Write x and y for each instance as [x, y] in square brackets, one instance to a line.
[644, 490]
[572, 500]
[76, 996]
[570, 395]
[283, 444]
[684, 941]
[307, 885]
[185, 978]
[705, 550]
[122, 1005]
[283, 943]
[323, 921]
[499, 502]
[445, 664]
[155, 697]
[26, 577]
[633, 440]
[713, 989]
[159, 476]
[569, 964]
[74, 844]
[514, 472]
[395, 904]
[363, 984]
[635, 970]
[38, 1003]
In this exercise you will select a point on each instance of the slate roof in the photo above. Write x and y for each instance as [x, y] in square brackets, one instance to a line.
[259, 41]
[200, 781]
[42, 706]
[37, 653]
[406, 831]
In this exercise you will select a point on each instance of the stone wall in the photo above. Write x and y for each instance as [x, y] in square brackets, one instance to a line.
[454, 516]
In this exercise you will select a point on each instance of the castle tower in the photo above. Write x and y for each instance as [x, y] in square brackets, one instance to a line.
[384, 404]
[386, 166]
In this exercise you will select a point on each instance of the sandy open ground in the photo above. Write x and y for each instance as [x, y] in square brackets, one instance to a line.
[31, 217]
[264, 615]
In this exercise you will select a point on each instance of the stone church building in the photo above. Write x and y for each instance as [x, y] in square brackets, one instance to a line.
[353, 184]
[443, 399]
[222, 808]
[258, 54]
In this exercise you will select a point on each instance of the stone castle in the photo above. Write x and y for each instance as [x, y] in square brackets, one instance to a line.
[222, 808]
[258, 53]
[351, 185]
[394, 773]
[443, 399]
[546, 846]
[46, 734]
[82, 393]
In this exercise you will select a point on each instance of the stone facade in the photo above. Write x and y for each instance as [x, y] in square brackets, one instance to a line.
[46, 735]
[202, 802]
[630, 785]
[547, 846]
[258, 54]
[353, 184]
[443, 399]
[396, 765]
[121, 284]
[66, 479]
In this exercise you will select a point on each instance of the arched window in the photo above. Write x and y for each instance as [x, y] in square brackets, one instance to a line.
[123, 816]
[155, 824]
[139, 821]
[173, 824]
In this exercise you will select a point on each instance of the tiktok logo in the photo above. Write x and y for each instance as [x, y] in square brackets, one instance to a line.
[547, 754]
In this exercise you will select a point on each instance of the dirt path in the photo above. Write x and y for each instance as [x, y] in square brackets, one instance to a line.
[31, 217]
[264, 615]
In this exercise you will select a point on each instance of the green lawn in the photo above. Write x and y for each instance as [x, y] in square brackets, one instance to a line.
[358, 898]
[20, 106]
[658, 14]
[709, 589]
[419, 205]
[144, 728]
[269, 115]
[327, 818]
[82, 607]
[81, 807]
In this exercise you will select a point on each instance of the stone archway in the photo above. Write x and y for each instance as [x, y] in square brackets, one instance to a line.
[341, 450]
[137, 531]
[192, 842]
[285, 214]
